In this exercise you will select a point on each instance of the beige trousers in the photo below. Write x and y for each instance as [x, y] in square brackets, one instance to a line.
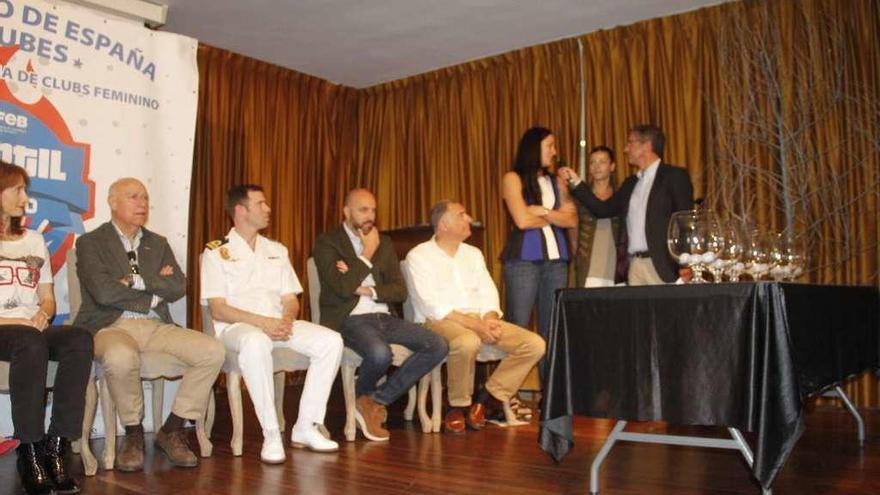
[118, 348]
[523, 348]
[642, 272]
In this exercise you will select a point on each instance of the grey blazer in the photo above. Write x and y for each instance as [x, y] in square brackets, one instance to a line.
[101, 261]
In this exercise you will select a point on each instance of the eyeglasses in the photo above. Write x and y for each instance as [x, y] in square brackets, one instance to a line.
[133, 262]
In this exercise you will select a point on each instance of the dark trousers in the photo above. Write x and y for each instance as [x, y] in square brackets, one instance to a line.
[28, 352]
[371, 334]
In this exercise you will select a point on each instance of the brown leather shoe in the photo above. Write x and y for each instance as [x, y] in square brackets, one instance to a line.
[454, 420]
[369, 415]
[131, 456]
[175, 448]
[476, 416]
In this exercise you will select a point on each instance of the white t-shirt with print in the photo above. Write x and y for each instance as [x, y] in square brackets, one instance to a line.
[24, 264]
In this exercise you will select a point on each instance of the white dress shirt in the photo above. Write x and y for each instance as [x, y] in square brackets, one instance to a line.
[366, 304]
[249, 279]
[440, 284]
[638, 207]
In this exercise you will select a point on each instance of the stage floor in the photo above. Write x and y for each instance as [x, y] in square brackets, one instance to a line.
[826, 460]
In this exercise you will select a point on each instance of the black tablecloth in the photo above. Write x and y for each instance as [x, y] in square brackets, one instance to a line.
[744, 355]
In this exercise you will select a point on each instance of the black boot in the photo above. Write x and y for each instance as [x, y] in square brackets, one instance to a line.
[34, 478]
[56, 452]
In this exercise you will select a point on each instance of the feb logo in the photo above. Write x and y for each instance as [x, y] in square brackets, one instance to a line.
[35, 137]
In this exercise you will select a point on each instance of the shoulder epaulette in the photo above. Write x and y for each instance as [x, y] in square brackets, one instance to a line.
[216, 243]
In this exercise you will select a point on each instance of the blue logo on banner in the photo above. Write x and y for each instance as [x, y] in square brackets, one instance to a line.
[36, 138]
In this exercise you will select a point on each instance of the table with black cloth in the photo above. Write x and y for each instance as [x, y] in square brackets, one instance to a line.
[741, 355]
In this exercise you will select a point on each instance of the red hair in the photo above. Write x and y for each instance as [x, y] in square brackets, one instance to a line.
[11, 176]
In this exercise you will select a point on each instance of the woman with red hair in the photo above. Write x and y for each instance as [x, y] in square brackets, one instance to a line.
[28, 341]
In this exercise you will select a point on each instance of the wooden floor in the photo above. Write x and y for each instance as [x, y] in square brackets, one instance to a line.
[826, 460]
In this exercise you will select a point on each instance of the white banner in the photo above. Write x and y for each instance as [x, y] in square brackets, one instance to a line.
[85, 100]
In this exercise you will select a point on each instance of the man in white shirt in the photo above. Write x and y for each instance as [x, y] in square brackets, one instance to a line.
[453, 293]
[646, 201]
[251, 288]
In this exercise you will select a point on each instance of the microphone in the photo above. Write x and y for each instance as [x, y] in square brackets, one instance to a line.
[560, 162]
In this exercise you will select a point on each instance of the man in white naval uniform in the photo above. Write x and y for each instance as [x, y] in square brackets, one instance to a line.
[251, 288]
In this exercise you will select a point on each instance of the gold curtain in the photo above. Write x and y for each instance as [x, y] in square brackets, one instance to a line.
[263, 124]
[452, 133]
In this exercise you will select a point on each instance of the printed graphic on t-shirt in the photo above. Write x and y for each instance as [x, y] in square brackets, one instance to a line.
[22, 274]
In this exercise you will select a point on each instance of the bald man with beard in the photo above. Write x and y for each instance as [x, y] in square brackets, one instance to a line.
[128, 275]
[360, 280]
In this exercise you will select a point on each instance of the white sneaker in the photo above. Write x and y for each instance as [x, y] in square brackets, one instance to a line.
[273, 448]
[312, 439]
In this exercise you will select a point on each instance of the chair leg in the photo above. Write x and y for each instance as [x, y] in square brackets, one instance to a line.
[210, 414]
[90, 464]
[348, 393]
[436, 398]
[108, 410]
[279, 379]
[424, 419]
[206, 448]
[410, 404]
[233, 391]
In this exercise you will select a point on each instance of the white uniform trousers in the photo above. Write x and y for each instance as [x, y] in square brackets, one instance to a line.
[321, 345]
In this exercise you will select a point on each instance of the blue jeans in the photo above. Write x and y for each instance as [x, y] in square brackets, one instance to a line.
[370, 335]
[527, 282]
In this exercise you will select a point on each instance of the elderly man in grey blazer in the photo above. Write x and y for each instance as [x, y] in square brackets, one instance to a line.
[128, 276]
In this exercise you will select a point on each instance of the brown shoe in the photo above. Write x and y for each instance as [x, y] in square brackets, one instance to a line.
[175, 448]
[369, 415]
[476, 416]
[454, 420]
[131, 456]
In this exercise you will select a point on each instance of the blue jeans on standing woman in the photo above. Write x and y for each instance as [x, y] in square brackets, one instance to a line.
[529, 282]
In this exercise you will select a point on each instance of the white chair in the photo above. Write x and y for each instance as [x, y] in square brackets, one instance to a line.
[351, 360]
[488, 353]
[155, 368]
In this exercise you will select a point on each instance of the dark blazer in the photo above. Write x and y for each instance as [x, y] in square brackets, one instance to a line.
[337, 289]
[101, 261]
[671, 191]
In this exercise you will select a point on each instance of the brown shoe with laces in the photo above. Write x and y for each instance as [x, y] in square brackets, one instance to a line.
[174, 446]
[131, 456]
[369, 415]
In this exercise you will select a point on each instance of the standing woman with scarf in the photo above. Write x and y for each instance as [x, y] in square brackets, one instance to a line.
[600, 255]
